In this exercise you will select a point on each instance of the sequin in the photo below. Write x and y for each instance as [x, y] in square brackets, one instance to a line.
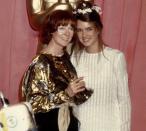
[45, 81]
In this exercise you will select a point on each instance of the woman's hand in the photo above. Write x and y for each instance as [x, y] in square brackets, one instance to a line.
[75, 86]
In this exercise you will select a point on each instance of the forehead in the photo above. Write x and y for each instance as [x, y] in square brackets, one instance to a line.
[83, 24]
[67, 24]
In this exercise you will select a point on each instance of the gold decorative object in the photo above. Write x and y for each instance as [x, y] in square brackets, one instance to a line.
[39, 9]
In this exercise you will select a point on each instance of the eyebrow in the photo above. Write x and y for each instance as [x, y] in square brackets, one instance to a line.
[85, 27]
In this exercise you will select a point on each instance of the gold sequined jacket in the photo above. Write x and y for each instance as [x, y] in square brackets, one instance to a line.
[45, 81]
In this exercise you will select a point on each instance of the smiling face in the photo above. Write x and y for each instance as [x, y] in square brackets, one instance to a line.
[63, 35]
[87, 34]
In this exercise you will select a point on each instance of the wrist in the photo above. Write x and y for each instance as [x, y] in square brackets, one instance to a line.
[69, 92]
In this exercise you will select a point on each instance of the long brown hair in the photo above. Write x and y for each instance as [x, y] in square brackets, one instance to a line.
[92, 17]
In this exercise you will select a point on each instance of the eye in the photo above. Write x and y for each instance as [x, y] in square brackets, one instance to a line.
[79, 30]
[61, 28]
[89, 29]
[71, 28]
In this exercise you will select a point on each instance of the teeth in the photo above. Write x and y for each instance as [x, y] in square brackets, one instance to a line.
[66, 39]
[85, 40]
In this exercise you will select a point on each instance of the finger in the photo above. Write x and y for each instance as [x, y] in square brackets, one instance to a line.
[79, 87]
[80, 84]
[80, 90]
[78, 79]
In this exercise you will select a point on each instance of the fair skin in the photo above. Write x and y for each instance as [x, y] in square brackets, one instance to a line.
[61, 39]
[88, 36]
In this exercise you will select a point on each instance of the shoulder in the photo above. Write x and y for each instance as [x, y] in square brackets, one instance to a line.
[114, 56]
[39, 61]
[113, 53]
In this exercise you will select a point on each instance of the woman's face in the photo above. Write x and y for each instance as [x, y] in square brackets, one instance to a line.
[63, 35]
[87, 34]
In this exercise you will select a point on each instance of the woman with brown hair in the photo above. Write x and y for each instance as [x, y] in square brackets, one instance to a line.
[50, 83]
[104, 71]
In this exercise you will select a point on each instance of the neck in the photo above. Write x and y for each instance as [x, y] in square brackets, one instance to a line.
[93, 49]
[53, 49]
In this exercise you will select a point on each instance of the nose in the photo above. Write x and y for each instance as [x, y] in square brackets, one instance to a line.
[66, 32]
[83, 33]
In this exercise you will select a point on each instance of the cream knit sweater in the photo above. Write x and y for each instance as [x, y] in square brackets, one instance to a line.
[109, 108]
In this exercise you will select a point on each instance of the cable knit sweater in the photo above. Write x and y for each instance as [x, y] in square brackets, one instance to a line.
[109, 108]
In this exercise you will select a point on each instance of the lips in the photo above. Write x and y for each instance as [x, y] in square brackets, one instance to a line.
[66, 38]
[85, 40]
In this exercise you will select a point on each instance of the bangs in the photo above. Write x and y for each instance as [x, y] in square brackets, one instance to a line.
[66, 22]
[62, 17]
[52, 21]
